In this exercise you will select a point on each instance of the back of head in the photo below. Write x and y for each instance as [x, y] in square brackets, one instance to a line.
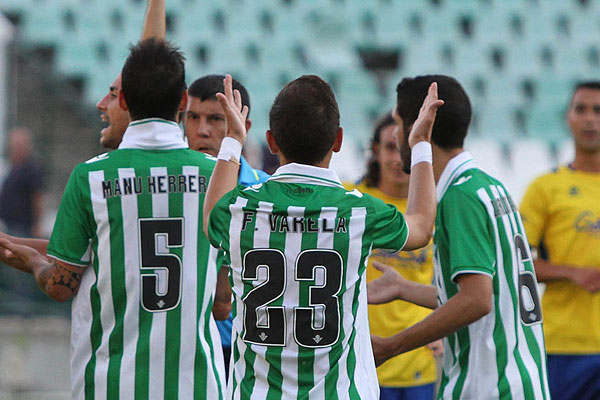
[207, 87]
[153, 80]
[452, 120]
[304, 120]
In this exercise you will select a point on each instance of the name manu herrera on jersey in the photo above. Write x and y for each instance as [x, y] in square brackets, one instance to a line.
[154, 184]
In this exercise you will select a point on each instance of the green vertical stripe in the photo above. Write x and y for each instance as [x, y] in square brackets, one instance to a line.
[173, 328]
[142, 354]
[95, 332]
[464, 344]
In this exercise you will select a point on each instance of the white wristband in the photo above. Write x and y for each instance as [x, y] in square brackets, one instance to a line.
[231, 150]
[421, 152]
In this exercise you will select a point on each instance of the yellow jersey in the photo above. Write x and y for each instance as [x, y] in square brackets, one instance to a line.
[561, 214]
[416, 367]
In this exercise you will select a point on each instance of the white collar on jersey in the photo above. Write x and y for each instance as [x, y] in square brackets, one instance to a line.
[153, 134]
[308, 174]
[455, 167]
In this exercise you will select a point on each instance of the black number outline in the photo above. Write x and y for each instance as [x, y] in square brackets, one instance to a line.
[251, 332]
[325, 342]
[527, 281]
[149, 281]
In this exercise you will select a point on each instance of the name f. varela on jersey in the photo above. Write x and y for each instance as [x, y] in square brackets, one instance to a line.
[298, 246]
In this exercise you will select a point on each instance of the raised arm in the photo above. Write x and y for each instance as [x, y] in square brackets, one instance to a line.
[155, 23]
[421, 206]
[57, 279]
[225, 175]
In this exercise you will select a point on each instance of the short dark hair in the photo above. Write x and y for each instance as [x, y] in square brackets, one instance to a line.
[207, 87]
[153, 79]
[373, 174]
[594, 85]
[452, 119]
[304, 120]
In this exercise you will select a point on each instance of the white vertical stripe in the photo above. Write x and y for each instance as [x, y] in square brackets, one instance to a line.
[189, 291]
[129, 206]
[107, 314]
[262, 235]
[81, 326]
[321, 363]
[156, 374]
[291, 298]
[212, 389]
[523, 347]
[235, 229]
[365, 371]
[506, 306]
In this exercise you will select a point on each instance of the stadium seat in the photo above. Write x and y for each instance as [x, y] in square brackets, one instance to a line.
[529, 158]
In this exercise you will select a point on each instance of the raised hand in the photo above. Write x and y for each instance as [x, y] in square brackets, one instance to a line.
[385, 288]
[235, 114]
[421, 129]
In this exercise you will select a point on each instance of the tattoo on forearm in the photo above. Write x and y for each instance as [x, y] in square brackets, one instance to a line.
[57, 275]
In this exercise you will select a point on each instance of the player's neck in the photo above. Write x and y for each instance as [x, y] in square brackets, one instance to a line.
[393, 189]
[441, 158]
[586, 161]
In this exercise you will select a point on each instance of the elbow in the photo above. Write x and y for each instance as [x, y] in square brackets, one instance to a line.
[480, 306]
[59, 294]
[221, 310]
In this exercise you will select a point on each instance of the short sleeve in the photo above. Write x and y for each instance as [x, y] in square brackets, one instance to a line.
[469, 233]
[533, 211]
[390, 231]
[70, 240]
[218, 223]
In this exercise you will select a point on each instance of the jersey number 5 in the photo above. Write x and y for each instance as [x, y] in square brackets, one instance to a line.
[161, 270]
[316, 324]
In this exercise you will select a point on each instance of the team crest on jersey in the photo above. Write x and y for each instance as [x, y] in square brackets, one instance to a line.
[573, 191]
[587, 222]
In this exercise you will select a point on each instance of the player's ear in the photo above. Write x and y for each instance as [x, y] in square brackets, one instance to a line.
[273, 148]
[184, 102]
[248, 124]
[122, 102]
[337, 144]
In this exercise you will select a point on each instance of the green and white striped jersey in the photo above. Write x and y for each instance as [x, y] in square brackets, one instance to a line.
[479, 230]
[142, 326]
[298, 246]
